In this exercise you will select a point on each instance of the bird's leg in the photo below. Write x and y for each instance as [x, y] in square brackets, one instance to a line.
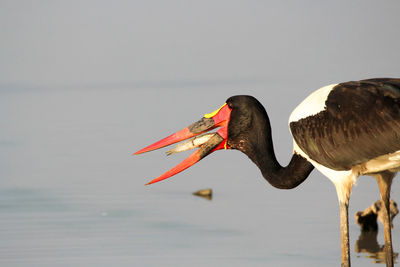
[344, 231]
[384, 180]
[343, 191]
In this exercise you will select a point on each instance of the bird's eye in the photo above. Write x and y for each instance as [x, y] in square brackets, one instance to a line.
[230, 105]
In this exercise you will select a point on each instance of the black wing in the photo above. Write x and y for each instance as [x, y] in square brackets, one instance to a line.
[361, 122]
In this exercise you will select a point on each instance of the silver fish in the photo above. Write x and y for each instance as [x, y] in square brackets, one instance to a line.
[190, 144]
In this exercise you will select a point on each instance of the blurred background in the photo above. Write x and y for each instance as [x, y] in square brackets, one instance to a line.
[84, 84]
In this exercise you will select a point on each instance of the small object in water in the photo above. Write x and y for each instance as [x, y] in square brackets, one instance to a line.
[368, 240]
[367, 218]
[205, 193]
[191, 143]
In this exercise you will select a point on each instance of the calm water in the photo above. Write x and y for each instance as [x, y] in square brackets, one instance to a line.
[71, 194]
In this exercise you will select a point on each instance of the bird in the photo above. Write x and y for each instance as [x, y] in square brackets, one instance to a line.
[343, 130]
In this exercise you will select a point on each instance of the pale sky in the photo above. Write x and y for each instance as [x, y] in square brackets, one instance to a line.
[75, 43]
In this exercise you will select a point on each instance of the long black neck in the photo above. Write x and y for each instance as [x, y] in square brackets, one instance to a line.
[257, 144]
[280, 177]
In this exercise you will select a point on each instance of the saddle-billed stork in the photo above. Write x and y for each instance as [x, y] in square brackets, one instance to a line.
[344, 130]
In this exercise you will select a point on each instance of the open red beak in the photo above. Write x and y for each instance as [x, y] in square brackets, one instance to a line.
[206, 143]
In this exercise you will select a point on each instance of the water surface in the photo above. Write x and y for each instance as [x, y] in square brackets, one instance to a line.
[72, 194]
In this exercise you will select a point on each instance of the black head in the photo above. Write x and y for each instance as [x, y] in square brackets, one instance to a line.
[242, 122]
[248, 125]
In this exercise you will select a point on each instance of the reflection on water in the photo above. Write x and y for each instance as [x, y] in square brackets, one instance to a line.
[368, 243]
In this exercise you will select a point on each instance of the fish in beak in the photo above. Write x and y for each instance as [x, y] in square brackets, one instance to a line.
[196, 133]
